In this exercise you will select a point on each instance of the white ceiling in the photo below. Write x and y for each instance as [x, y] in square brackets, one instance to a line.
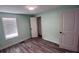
[20, 9]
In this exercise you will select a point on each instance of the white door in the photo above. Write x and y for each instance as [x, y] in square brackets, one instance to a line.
[68, 31]
[33, 22]
[76, 37]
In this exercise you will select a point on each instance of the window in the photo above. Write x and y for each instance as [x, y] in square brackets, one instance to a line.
[10, 27]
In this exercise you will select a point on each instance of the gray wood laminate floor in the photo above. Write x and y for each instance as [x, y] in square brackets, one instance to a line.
[35, 45]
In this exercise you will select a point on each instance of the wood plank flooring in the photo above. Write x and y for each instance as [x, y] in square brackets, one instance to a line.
[35, 45]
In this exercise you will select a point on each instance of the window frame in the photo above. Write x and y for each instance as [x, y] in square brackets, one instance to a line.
[13, 35]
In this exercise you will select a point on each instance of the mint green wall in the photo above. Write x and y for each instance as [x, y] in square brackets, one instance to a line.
[50, 26]
[23, 29]
[51, 21]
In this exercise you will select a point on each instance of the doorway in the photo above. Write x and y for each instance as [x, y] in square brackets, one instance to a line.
[36, 27]
[39, 26]
[69, 30]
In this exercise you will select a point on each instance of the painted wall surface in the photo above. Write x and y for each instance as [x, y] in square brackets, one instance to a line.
[51, 23]
[23, 24]
[50, 26]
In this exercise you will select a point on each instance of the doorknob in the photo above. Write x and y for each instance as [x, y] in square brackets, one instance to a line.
[60, 32]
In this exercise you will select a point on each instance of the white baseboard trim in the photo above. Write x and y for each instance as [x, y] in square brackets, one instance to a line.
[51, 41]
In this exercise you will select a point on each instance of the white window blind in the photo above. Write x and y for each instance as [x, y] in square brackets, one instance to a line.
[10, 27]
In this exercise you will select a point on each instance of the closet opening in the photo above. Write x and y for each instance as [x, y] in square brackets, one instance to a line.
[39, 27]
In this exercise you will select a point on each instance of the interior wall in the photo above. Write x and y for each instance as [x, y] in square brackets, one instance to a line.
[50, 26]
[23, 24]
[51, 23]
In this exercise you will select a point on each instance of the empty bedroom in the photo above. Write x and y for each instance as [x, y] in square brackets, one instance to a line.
[39, 28]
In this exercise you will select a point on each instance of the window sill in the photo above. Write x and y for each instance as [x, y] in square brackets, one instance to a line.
[11, 36]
